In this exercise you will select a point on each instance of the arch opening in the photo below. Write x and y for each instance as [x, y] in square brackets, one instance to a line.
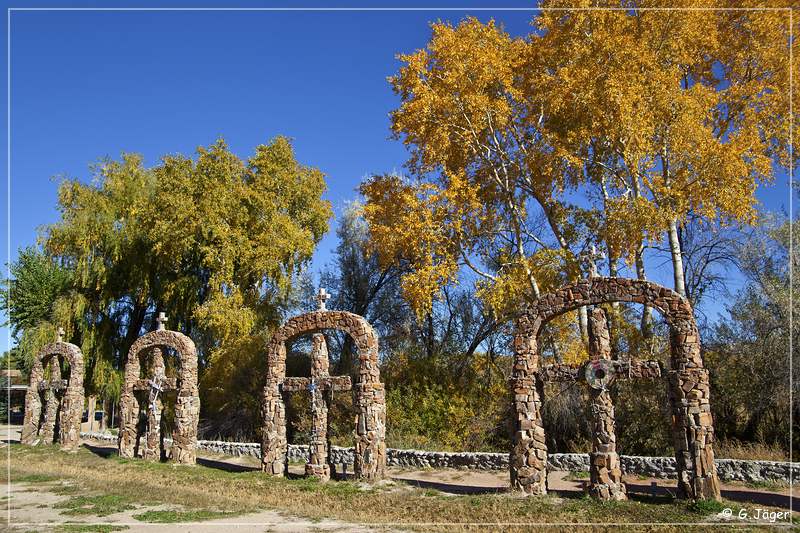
[54, 405]
[688, 383]
[368, 392]
[151, 383]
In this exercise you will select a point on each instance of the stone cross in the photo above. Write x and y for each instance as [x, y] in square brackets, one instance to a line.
[322, 298]
[320, 385]
[161, 321]
[52, 390]
[60, 335]
[157, 384]
[590, 258]
[604, 465]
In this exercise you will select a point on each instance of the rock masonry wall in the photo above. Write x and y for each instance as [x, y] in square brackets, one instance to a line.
[658, 467]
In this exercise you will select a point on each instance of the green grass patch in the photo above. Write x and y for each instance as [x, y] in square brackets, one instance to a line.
[768, 485]
[90, 528]
[706, 507]
[64, 490]
[35, 478]
[199, 488]
[169, 517]
[102, 505]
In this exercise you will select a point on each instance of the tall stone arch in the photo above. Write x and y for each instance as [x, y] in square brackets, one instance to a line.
[187, 405]
[370, 401]
[70, 410]
[688, 383]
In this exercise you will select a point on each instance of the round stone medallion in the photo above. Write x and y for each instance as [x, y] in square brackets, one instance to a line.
[599, 373]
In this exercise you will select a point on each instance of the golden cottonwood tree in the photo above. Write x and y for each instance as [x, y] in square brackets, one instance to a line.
[667, 113]
[465, 116]
[600, 126]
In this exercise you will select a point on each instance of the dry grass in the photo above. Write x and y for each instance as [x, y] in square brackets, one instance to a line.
[202, 488]
[734, 449]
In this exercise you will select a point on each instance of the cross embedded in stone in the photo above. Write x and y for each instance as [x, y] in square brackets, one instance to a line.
[317, 385]
[161, 321]
[60, 334]
[56, 383]
[322, 298]
[604, 467]
[590, 258]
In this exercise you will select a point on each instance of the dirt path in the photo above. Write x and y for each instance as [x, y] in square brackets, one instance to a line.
[33, 507]
[459, 482]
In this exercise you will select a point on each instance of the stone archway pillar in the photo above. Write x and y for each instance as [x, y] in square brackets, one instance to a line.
[33, 407]
[187, 414]
[187, 405]
[152, 445]
[693, 431]
[529, 451]
[370, 444]
[51, 403]
[129, 411]
[274, 445]
[370, 440]
[604, 467]
[369, 394]
[692, 424]
[68, 411]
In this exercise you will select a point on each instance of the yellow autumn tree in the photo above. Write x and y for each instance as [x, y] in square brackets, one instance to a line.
[600, 127]
[666, 113]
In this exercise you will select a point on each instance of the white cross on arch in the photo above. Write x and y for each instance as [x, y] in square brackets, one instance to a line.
[322, 298]
[161, 321]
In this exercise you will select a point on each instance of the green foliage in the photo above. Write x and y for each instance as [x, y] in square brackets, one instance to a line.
[90, 528]
[432, 410]
[214, 241]
[643, 418]
[37, 282]
[748, 351]
[39, 298]
[171, 517]
[102, 505]
[706, 507]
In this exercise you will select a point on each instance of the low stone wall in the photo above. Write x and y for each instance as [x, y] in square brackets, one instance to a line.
[657, 467]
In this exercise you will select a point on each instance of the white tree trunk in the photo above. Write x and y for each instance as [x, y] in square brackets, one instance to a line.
[677, 258]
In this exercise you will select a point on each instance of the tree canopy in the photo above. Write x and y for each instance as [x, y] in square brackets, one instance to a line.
[600, 127]
[214, 241]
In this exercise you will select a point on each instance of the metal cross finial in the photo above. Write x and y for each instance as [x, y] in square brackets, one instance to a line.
[161, 321]
[590, 258]
[60, 335]
[322, 298]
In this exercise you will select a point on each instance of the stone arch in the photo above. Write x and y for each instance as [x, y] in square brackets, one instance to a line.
[688, 383]
[71, 405]
[370, 401]
[187, 405]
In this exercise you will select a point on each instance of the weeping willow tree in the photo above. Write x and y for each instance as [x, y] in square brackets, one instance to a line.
[212, 240]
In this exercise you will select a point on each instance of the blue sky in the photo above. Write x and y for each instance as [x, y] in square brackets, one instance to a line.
[89, 84]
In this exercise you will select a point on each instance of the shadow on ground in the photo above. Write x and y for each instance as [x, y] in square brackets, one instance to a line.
[636, 491]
